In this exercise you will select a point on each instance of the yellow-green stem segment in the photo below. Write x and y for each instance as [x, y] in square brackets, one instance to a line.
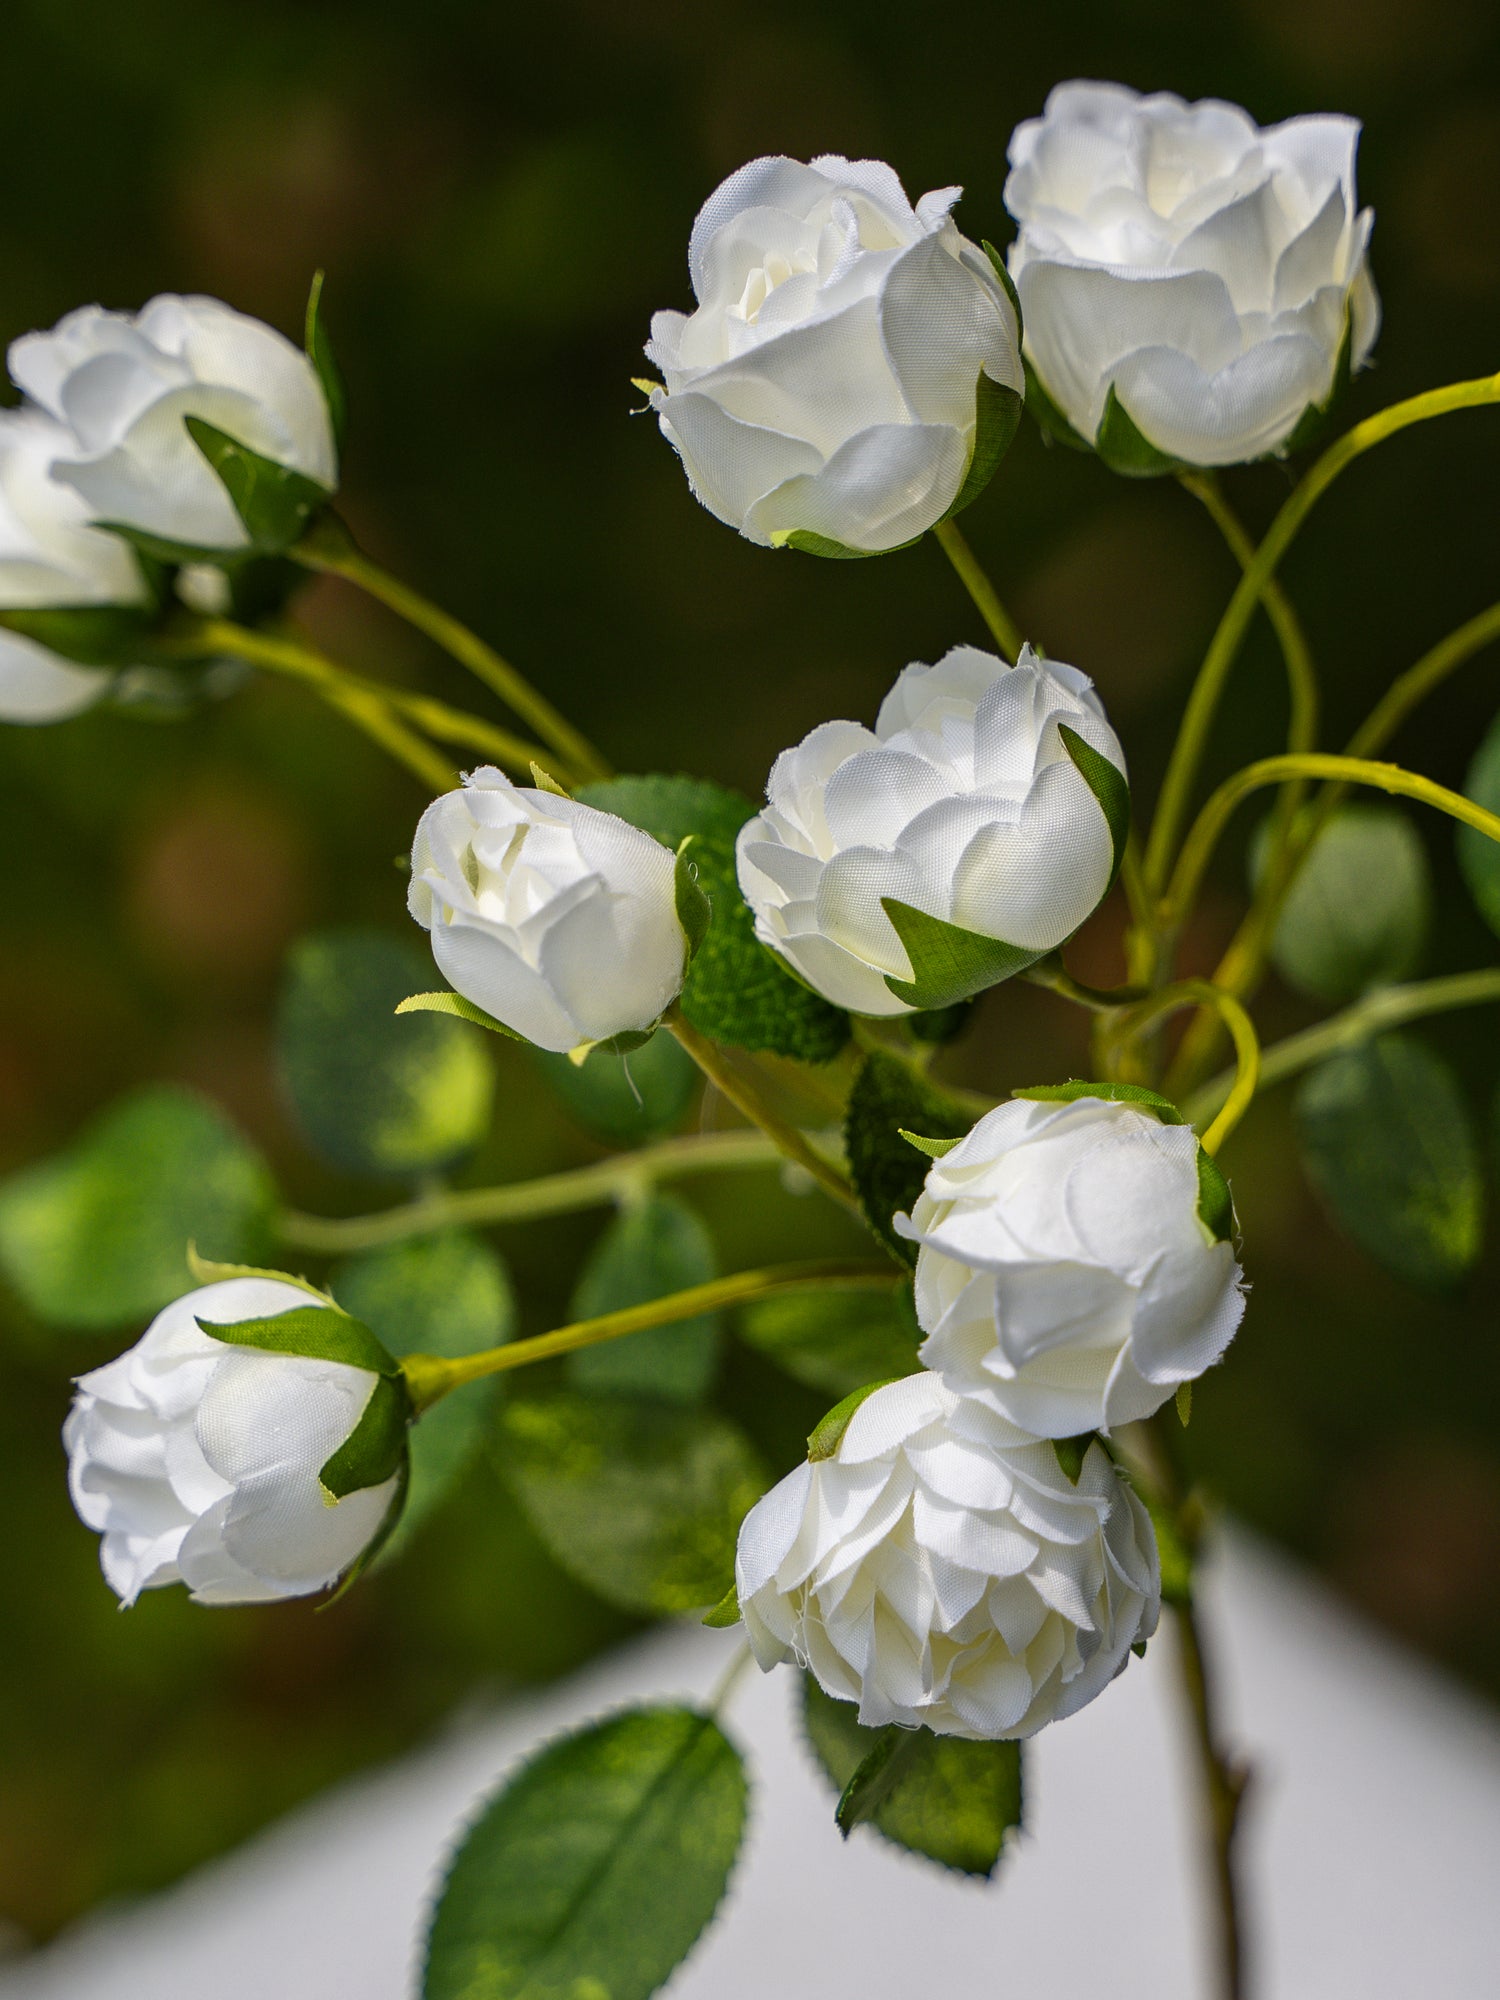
[1003, 628]
[1199, 993]
[429, 1376]
[329, 548]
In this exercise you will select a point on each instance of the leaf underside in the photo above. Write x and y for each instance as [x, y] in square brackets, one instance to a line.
[949, 964]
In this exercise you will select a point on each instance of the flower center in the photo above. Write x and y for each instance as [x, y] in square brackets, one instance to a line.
[764, 280]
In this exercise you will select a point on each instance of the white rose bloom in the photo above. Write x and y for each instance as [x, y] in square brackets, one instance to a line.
[50, 560]
[556, 918]
[198, 1461]
[123, 383]
[938, 1569]
[963, 802]
[1066, 1278]
[1201, 267]
[829, 380]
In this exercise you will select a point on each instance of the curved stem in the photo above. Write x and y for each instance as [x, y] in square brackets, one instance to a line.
[1200, 993]
[523, 1201]
[1054, 975]
[744, 1093]
[1244, 958]
[329, 548]
[1003, 628]
[430, 1376]
[1389, 1008]
[283, 654]
[1197, 719]
[1211, 821]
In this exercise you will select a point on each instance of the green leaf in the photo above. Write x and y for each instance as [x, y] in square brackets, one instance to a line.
[736, 990]
[652, 1248]
[932, 1149]
[1478, 855]
[948, 963]
[1071, 1452]
[374, 1093]
[626, 1099]
[1389, 1143]
[694, 911]
[457, 1008]
[320, 354]
[375, 1448]
[1007, 284]
[997, 418]
[640, 1499]
[97, 1236]
[828, 1433]
[274, 503]
[1124, 448]
[822, 545]
[1109, 786]
[835, 1340]
[726, 1613]
[1359, 908]
[319, 1333]
[1215, 1202]
[591, 1874]
[447, 1294]
[948, 1799]
[1050, 420]
[890, 1097]
[1113, 1093]
[875, 1777]
[95, 635]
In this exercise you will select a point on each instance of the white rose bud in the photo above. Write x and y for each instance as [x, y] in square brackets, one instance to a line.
[124, 383]
[555, 918]
[969, 802]
[1180, 264]
[940, 1570]
[832, 380]
[50, 560]
[1073, 1270]
[200, 1462]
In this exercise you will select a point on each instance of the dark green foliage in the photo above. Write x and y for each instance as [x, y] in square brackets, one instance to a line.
[275, 503]
[97, 1236]
[375, 1092]
[654, 1247]
[1478, 855]
[626, 1099]
[1360, 906]
[835, 1340]
[593, 1872]
[890, 1097]
[949, 964]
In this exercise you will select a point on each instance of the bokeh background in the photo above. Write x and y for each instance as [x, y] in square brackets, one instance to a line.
[501, 197]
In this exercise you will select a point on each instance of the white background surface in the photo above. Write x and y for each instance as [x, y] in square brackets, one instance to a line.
[1372, 1846]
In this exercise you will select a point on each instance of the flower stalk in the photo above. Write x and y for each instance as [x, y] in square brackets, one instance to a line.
[971, 574]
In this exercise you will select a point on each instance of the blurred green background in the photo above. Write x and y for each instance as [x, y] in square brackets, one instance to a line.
[501, 197]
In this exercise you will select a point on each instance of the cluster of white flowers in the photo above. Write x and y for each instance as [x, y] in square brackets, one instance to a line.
[965, 1555]
[101, 438]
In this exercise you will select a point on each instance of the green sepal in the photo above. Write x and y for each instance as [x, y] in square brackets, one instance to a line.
[162, 548]
[1215, 1202]
[313, 1332]
[1112, 1093]
[376, 1447]
[1124, 448]
[1109, 786]
[208, 1272]
[997, 418]
[1050, 420]
[274, 503]
[694, 911]
[377, 1542]
[1138, 1648]
[455, 1003]
[725, 1613]
[623, 1044]
[1007, 285]
[320, 354]
[1314, 419]
[1184, 1402]
[94, 635]
[933, 1148]
[1071, 1452]
[948, 963]
[823, 545]
[826, 1436]
[874, 1776]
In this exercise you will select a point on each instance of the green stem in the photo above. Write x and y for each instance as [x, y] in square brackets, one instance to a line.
[1240, 968]
[330, 549]
[430, 1376]
[1211, 821]
[1192, 737]
[298, 661]
[523, 1201]
[743, 1091]
[1199, 993]
[1374, 1015]
[1054, 975]
[1003, 628]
